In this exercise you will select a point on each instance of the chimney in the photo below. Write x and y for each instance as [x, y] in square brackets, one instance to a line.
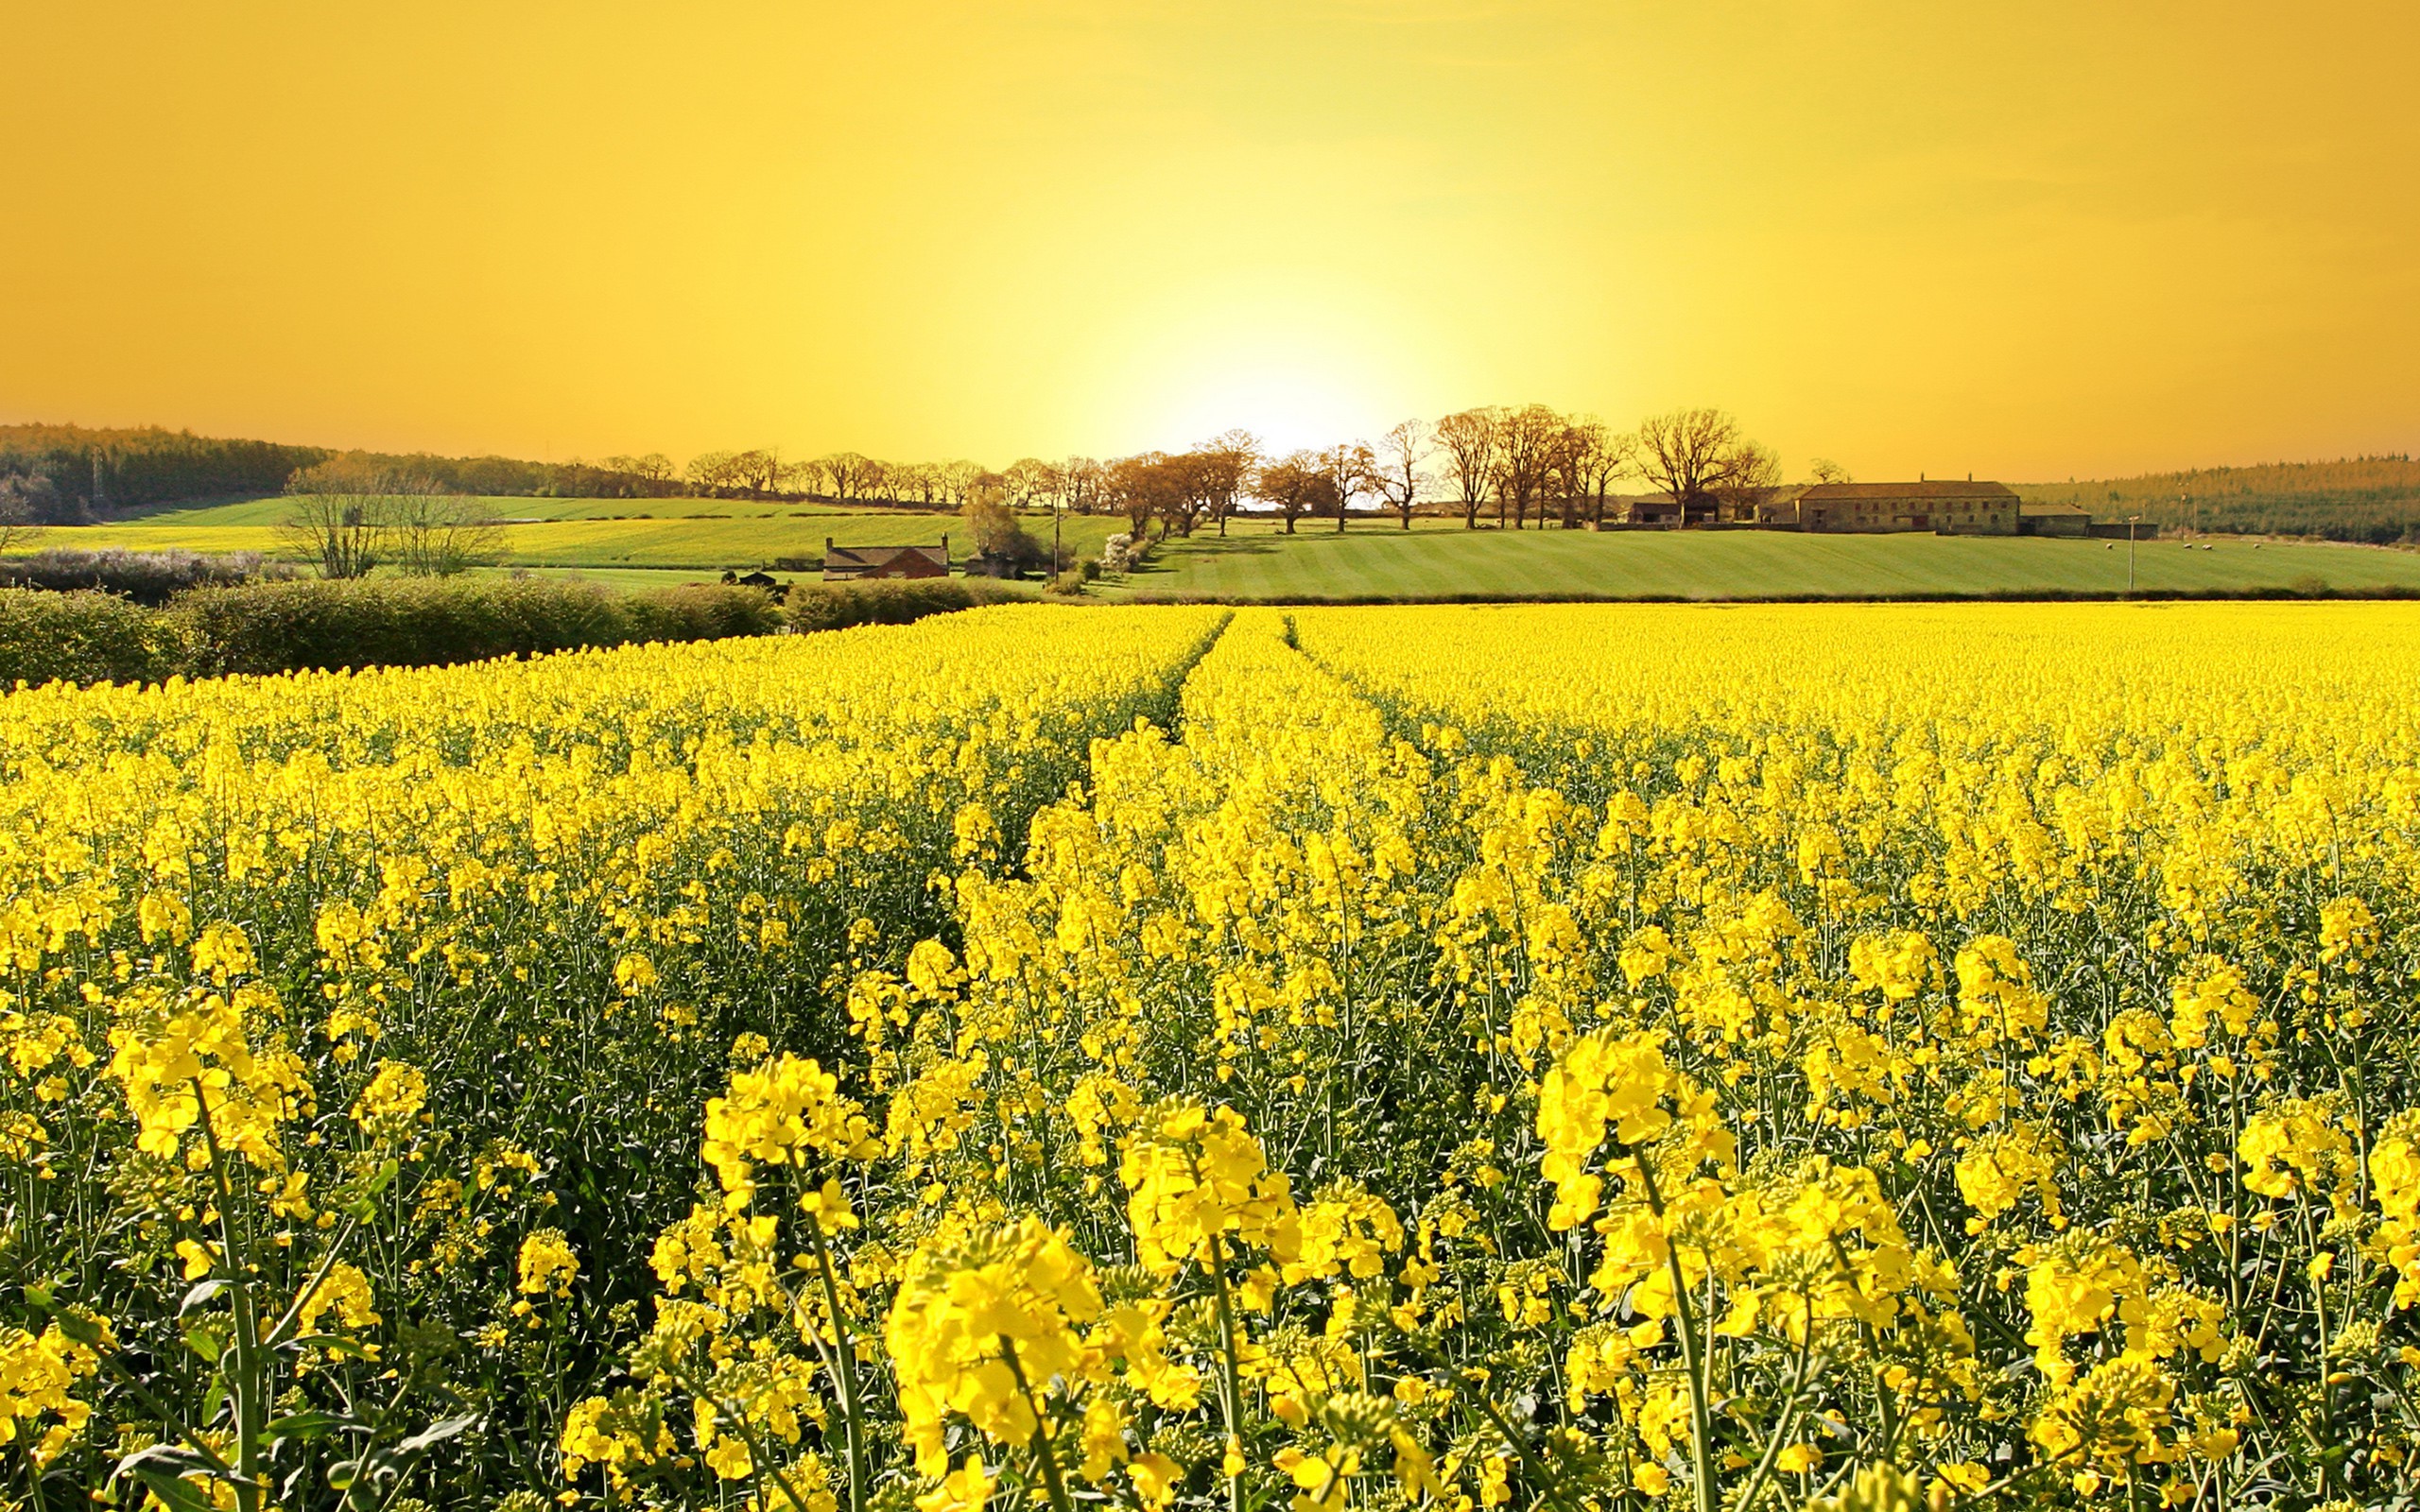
[827, 545]
[944, 548]
[1920, 477]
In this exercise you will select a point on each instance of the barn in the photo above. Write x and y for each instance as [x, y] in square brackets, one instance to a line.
[849, 565]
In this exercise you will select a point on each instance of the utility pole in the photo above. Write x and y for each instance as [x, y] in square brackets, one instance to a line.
[2130, 553]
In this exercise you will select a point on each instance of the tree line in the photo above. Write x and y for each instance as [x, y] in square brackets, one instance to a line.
[1526, 465]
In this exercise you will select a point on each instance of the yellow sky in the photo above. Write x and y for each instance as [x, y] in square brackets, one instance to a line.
[2067, 236]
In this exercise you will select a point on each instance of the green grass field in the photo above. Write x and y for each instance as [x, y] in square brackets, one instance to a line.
[690, 535]
[1257, 563]
[662, 542]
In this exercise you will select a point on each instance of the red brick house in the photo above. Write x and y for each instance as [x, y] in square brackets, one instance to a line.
[849, 565]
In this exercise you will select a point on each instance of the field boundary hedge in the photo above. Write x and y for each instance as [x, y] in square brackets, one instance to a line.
[311, 624]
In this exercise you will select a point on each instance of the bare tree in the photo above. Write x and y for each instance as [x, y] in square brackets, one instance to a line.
[1296, 485]
[339, 516]
[800, 477]
[1081, 478]
[1396, 475]
[1227, 460]
[1697, 456]
[920, 481]
[1603, 458]
[1754, 478]
[1584, 460]
[433, 533]
[956, 480]
[711, 472]
[1823, 470]
[1566, 461]
[848, 473]
[1469, 439]
[655, 466]
[1525, 444]
[757, 472]
[1032, 483]
[1348, 466]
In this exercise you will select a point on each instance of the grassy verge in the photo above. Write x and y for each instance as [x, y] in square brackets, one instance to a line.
[1256, 564]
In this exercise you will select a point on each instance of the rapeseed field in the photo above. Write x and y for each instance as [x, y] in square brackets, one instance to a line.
[1560, 1058]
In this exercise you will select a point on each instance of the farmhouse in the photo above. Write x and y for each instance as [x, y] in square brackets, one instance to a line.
[849, 565]
[1967, 508]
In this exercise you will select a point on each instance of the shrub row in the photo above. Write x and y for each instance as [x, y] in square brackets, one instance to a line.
[146, 576]
[283, 627]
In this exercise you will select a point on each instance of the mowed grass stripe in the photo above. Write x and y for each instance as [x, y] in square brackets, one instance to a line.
[1255, 562]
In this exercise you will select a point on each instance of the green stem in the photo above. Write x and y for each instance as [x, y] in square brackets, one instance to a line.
[1229, 1396]
[1701, 1410]
[1043, 1457]
[851, 1411]
[245, 1384]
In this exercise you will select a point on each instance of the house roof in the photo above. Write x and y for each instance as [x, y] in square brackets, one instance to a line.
[871, 557]
[1946, 488]
[2039, 510]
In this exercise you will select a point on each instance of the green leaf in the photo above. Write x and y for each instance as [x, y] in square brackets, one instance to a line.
[200, 1294]
[310, 1425]
[82, 1329]
[173, 1491]
[205, 1342]
[163, 1469]
[436, 1434]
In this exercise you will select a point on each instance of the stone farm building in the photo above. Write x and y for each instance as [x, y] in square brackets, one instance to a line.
[849, 565]
[1967, 508]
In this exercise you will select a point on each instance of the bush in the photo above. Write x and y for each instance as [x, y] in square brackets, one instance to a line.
[434, 622]
[82, 637]
[838, 605]
[146, 576]
[266, 628]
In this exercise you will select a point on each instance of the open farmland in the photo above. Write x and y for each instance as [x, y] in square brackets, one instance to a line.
[1440, 560]
[692, 535]
[652, 541]
[1562, 1056]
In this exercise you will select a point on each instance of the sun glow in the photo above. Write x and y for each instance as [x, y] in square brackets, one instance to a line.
[1897, 234]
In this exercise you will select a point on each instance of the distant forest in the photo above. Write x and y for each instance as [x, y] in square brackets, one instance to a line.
[2373, 499]
[80, 473]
